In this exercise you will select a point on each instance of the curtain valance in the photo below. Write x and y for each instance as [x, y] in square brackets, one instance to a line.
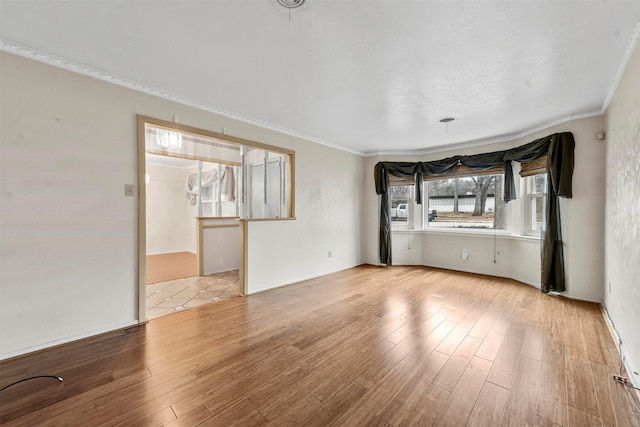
[562, 145]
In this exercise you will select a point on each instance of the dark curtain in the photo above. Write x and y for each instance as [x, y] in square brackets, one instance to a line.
[385, 224]
[560, 150]
[560, 165]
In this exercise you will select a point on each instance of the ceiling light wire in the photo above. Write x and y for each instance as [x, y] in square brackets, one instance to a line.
[290, 4]
[446, 121]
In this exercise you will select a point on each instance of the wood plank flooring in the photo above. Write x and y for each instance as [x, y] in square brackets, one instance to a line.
[366, 346]
[171, 266]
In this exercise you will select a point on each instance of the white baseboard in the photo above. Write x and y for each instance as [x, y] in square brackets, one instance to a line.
[625, 357]
[293, 282]
[576, 297]
[526, 282]
[464, 270]
[172, 252]
[630, 366]
[518, 279]
[206, 273]
[67, 340]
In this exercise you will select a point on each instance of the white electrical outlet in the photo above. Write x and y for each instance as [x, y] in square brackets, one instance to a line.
[465, 254]
[329, 254]
[129, 190]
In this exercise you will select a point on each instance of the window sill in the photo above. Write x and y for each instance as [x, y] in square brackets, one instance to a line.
[404, 230]
[267, 219]
[526, 238]
[501, 234]
[469, 231]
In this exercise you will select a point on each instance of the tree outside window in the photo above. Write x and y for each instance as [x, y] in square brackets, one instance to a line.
[466, 202]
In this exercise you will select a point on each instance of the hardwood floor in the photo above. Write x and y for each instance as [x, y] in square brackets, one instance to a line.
[366, 346]
[171, 266]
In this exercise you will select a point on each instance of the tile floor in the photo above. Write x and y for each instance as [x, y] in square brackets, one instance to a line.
[175, 295]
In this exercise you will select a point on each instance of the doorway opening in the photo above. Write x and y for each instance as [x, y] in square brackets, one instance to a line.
[180, 193]
[197, 191]
[190, 179]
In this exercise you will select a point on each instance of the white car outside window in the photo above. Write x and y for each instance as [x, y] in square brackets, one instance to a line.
[401, 211]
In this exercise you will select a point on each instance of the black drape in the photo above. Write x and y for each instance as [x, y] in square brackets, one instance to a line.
[560, 163]
[560, 150]
[385, 222]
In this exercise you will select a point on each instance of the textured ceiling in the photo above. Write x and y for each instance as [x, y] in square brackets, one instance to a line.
[367, 76]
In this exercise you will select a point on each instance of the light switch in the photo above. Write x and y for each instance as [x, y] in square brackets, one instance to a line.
[129, 190]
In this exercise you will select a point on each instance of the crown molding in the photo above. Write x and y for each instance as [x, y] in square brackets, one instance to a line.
[34, 54]
[491, 140]
[66, 64]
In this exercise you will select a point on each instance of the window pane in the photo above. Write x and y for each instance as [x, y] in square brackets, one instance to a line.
[540, 183]
[266, 183]
[535, 199]
[239, 180]
[400, 198]
[536, 214]
[468, 202]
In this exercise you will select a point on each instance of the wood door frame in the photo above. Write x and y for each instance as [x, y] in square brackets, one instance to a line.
[142, 121]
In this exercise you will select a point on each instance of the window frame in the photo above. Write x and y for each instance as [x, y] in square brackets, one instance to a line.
[411, 209]
[426, 206]
[288, 190]
[530, 197]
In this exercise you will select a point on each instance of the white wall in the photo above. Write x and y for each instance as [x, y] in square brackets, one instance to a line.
[525, 260]
[444, 250]
[328, 210]
[407, 248]
[582, 221]
[171, 219]
[69, 235]
[622, 220]
[220, 245]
